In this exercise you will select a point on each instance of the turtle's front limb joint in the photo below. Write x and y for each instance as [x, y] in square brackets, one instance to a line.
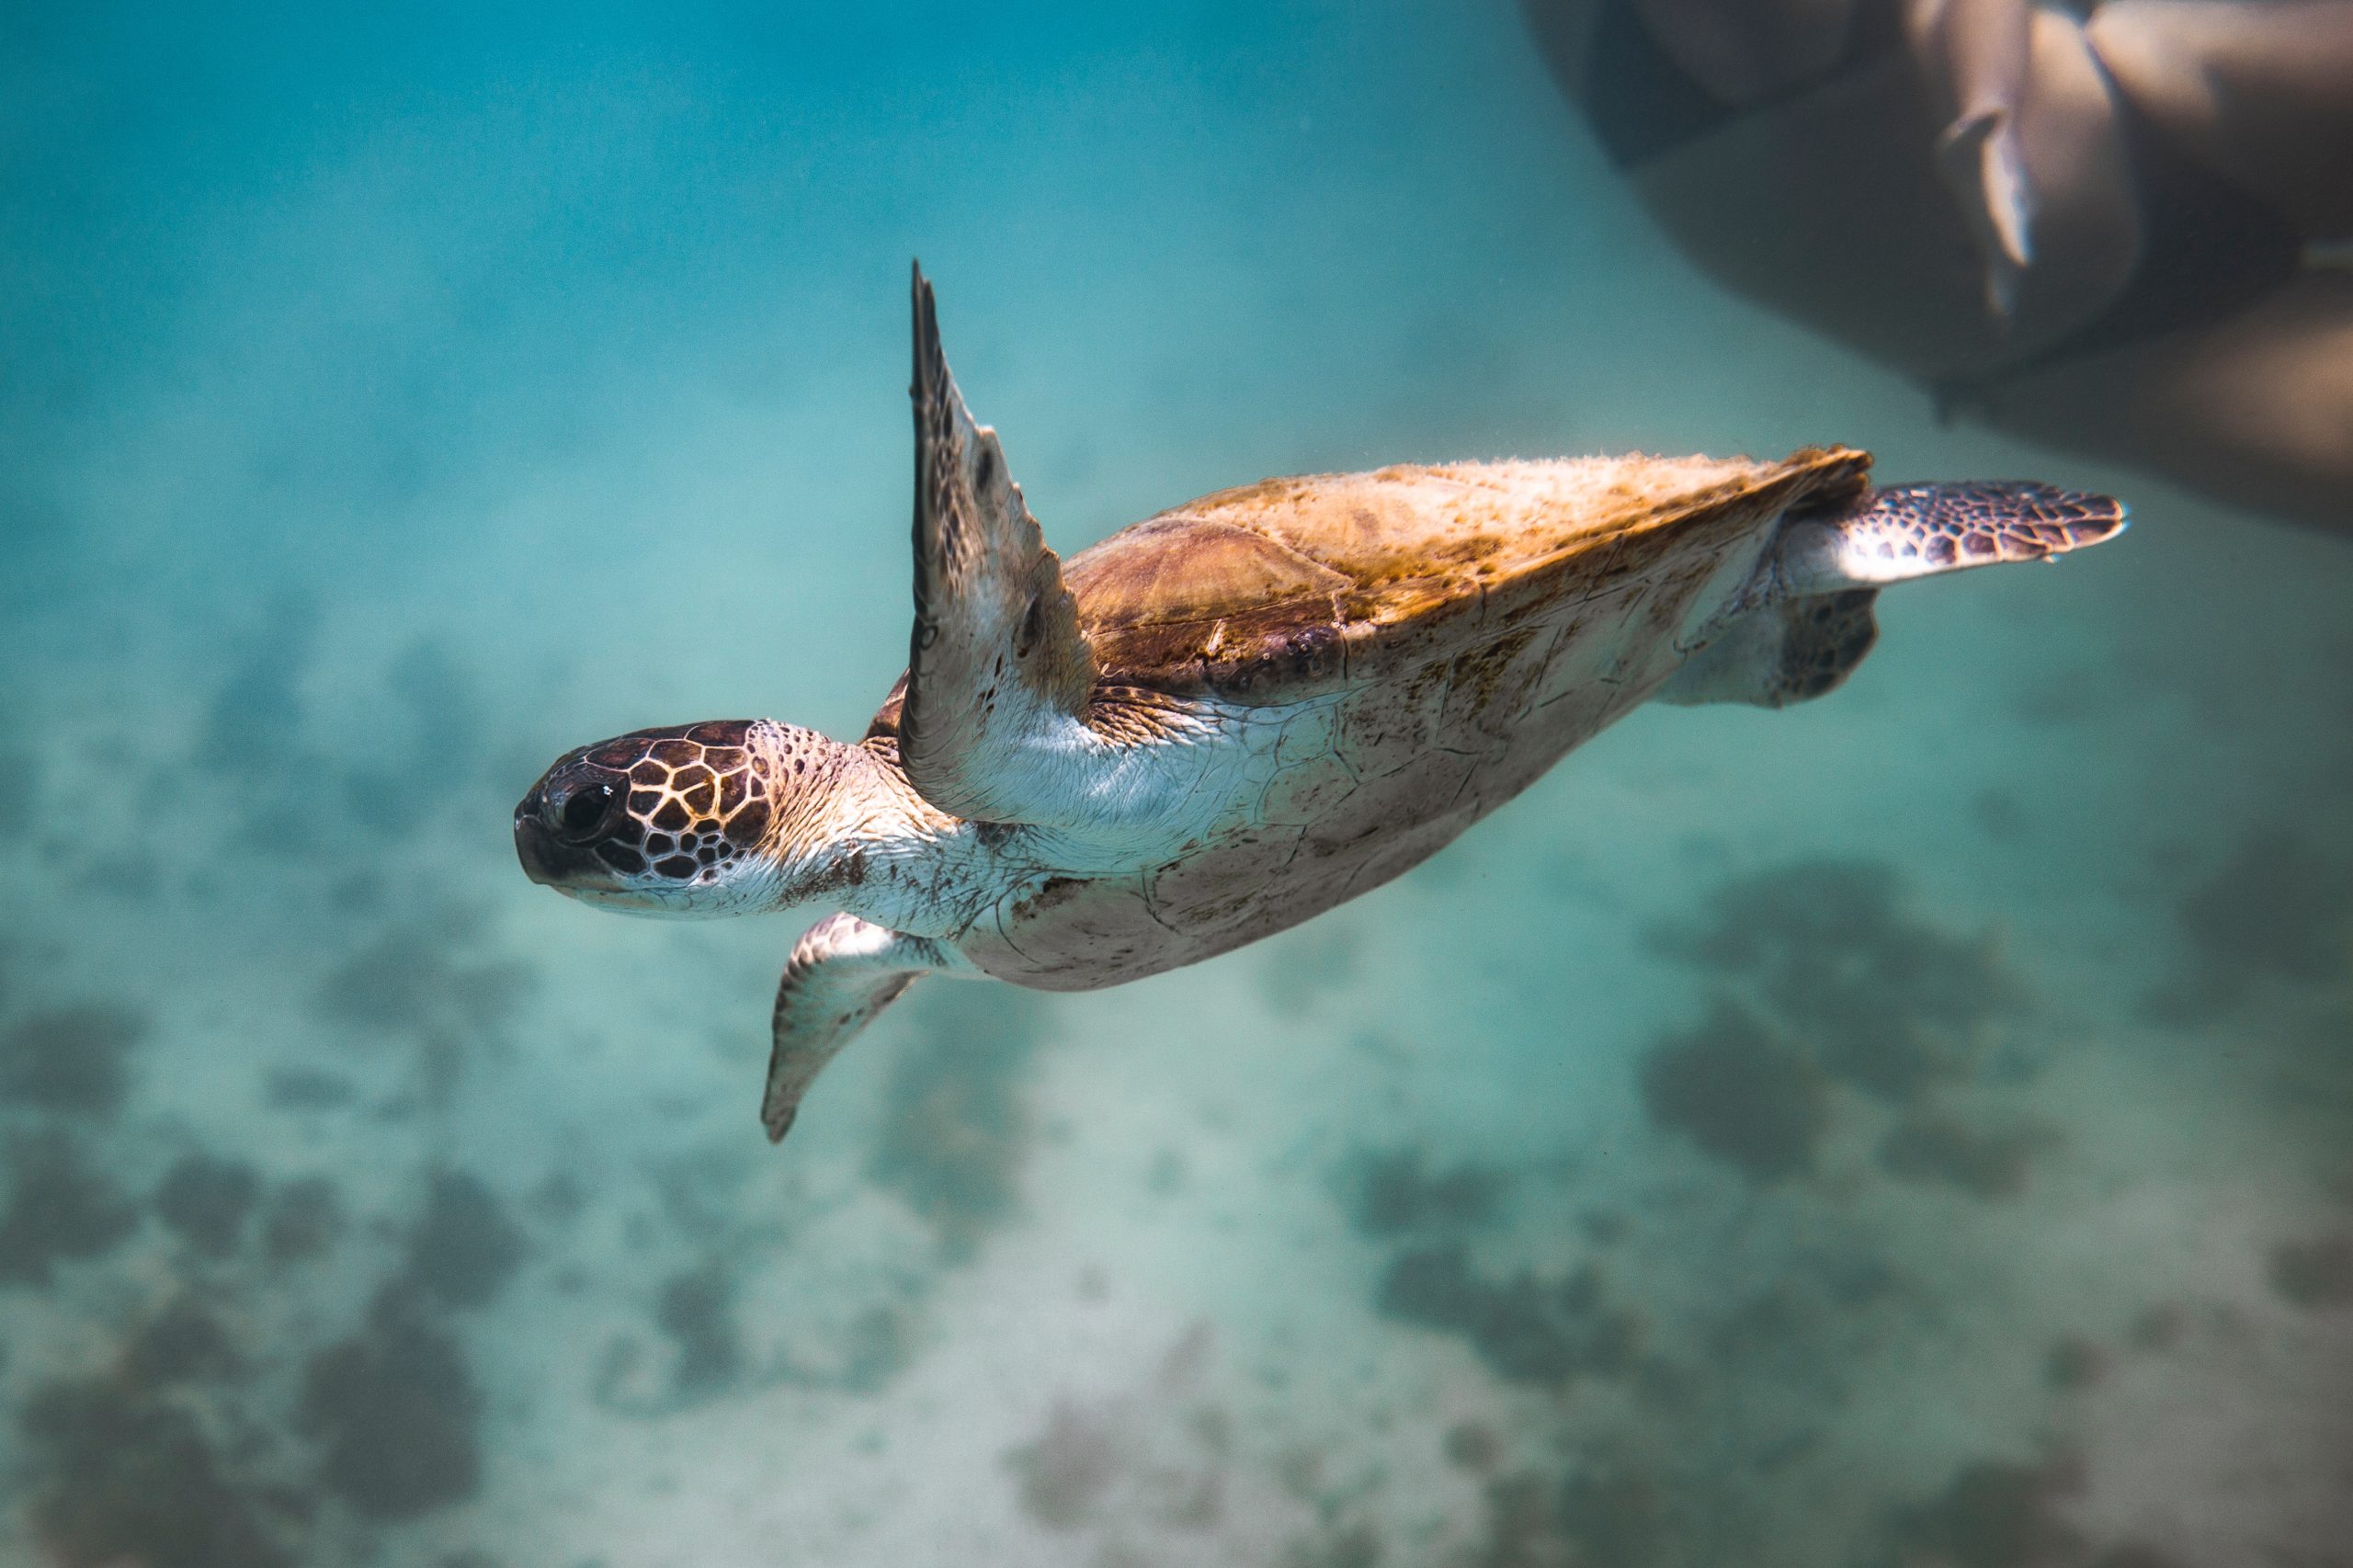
[842, 972]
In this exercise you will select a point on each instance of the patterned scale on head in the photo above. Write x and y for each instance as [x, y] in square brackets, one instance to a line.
[644, 818]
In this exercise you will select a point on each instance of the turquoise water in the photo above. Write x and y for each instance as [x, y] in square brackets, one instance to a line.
[1909, 1127]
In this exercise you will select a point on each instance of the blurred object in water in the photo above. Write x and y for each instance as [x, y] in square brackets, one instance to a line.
[2113, 236]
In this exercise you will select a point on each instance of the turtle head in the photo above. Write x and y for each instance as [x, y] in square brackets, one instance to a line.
[668, 821]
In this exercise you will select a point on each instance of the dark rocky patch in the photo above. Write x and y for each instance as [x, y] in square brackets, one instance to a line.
[1806, 1333]
[206, 1201]
[876, 1349]
[464, 1248]
[1167, 1174]
[253, 736]
[1472, 1446]
[1065, 1473]
[2073, 1364]
[426, 981]
[2133, 1554]
[396, 1413]
[2314, 1274]
[1934, 1147]
[358, 892]
[1610, 1517]
[184, 1343]
[1992, 1515]
[703, 1189]
[1828, 951]
[2000, 1514]
[696, 1310]
[1777, 1324]
[74, 1060]
[1523, 1526]
[22, 768]
[956, 1130]
[559, 1199]
[2161, 1327]
[442, 715]
[1300, 1473]
[254, 721]
[1396, 1191]
[307, 1088]
[1826, 977]
[124, 1477]
[1526, 1329]
[60, 1208]
[1742, 1093]
[305, 1219]
[1347, 1546]
[2279, 910]
[385, 801]
[1617, 1516]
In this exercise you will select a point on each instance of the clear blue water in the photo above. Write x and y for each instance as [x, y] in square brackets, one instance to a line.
[1908, 1128]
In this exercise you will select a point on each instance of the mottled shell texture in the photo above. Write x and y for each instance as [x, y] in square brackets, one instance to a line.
[1276, 591]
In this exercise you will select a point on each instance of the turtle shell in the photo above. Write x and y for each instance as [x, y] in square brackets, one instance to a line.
[1275, 592]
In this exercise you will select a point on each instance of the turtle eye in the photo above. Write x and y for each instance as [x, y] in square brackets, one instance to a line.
[585, 812]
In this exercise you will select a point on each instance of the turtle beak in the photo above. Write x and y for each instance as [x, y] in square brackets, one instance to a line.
[532, 843]
[549, 856]
[546, 859]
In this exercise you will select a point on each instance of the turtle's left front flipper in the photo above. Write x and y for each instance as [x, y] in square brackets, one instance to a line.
[999, 675]
[843, 971]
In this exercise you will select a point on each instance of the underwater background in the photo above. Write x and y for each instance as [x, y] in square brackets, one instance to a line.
[1914, 1127]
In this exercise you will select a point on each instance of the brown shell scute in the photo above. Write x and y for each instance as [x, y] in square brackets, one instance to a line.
[1179, 568]
[1275, 591]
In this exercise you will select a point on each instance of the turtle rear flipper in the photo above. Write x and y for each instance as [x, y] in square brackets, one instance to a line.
[1809, 620]
[1918, 530]
[1783, 651]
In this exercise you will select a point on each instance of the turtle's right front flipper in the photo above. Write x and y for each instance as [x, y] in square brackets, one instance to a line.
[843, 971]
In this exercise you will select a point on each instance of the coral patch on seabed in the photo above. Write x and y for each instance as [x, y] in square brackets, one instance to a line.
[1740, 1094]
[60, 1208]
[126, 1477]
[1828, 985]
[74, 1060]
[395, 1412]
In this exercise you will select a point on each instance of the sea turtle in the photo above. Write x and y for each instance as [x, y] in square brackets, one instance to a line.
[1241, 713]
